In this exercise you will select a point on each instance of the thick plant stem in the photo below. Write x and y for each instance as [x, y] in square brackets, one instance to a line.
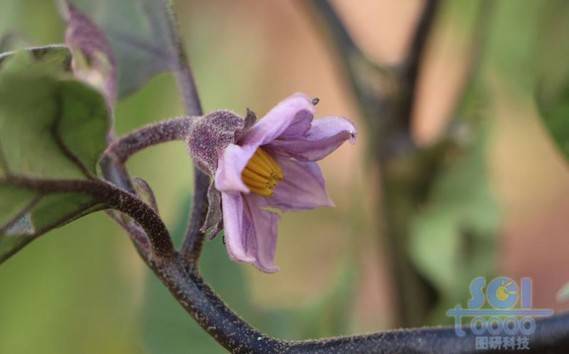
[110, 197]
[193, 242]
[234, 334]
[195, 236]
[169, 130]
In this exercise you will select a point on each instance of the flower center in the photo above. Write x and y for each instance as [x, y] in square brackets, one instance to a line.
[262, 173]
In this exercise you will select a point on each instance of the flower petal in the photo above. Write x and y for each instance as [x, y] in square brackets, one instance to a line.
[230, 166]
[303, 186]
[235, 223]
[324, 136]
[263, 244]
[290, 117]
[93, 59]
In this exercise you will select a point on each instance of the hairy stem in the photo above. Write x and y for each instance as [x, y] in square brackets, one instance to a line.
[184, 76]
[233, 333]
[113, 198]
[193, 243]
[192, 246]
[169, 130]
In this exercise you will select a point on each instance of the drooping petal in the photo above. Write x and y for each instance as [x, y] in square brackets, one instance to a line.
[230, 166]
[236, 224]
[303, 186]
[262, 242]
[290, 117]
[93, 59]
[324, 136]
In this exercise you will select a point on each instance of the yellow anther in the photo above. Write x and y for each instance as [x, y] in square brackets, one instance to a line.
[262, 173]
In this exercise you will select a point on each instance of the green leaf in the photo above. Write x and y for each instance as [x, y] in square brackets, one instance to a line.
[52, 128]
[552, 93]
[140, 36]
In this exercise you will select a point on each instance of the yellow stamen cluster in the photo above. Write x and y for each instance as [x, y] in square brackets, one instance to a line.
[262, 173]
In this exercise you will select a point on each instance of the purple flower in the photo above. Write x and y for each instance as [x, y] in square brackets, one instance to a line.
[272, 167]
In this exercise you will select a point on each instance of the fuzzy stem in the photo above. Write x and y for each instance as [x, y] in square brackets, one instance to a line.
[169, 130]
[234, 334]
[113, 198]
[193, 242]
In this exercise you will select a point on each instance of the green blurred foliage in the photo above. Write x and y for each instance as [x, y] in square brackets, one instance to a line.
[510, 49]
[69, 293]
[31, 22]
[552, 88]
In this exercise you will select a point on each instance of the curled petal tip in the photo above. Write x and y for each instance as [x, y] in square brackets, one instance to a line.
[267, 269]
[353, 131]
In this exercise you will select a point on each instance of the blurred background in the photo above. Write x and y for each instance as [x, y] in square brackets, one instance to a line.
[82, 288]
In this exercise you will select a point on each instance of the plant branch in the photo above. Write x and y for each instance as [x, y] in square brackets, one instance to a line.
[363, 74]
[193, 242]
[478, 38]
[113, 198]
[551, 336]
[183, 72]
[195, 236]
[414, 59]
[191, 248]
[386, 97]
[169, 130]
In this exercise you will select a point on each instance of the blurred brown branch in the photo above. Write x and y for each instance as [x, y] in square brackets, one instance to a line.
[387, 97]
[386, 100]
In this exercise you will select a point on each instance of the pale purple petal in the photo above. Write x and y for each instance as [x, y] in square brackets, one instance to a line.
[235, 223]
[291, 116]
[230, 166]
[262, 242]
[324, 136]
[303, 186]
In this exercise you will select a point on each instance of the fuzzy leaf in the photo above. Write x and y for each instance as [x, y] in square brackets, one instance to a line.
[51, 128]
[140, 36]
